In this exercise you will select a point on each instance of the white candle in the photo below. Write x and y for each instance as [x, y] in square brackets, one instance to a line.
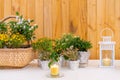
[54, 70]
[106, 61]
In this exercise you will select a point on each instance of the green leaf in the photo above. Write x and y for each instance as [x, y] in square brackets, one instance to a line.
[17, 13]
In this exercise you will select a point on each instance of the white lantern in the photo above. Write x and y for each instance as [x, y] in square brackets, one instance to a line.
[107, 50]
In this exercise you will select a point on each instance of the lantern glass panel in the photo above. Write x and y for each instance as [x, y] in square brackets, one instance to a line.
[106, 57]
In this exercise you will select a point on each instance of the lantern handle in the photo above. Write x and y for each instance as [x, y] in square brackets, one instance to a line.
[106, 29]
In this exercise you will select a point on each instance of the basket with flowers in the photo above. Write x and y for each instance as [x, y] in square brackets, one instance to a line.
[15, 41]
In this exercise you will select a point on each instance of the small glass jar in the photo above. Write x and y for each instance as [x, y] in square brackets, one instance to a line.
[54, 69]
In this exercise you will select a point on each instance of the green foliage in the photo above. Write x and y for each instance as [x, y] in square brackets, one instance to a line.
[15, 41]
[65, 42]
[84, 45]
[54, 57]
[14, 33]
[17, 13]
[64, 45]
[1, 44]
[23, 26]
[44, 47]
[47, 50]
[43, 44]
[3, 28]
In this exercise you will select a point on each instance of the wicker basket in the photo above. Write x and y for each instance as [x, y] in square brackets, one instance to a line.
[15, 57]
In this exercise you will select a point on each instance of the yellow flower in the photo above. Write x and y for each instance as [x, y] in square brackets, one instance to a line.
[3, 37]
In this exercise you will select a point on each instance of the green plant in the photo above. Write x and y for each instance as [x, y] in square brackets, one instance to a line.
[44, 47]
[71, 54]
[54, 57]
[64, 42]
[84, 45]
[3, 28]
[1, 44]
[63, 45]
[23, 26]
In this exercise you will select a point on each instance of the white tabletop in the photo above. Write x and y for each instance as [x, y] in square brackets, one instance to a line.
[92, 72]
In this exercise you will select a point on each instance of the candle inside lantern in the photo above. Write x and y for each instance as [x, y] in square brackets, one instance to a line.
[54, 70]
[106, 61]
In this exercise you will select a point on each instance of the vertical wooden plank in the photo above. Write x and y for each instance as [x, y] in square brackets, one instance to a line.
[47, 18]
[74, 16]
[39, 17]
[56, 18]
[1, 9]
[7, 8]
[23, 8]
[106, 12]
[100, 22]
[112, 13]
[15, 6]
[110, 21]
[117, 30]
[82, 19]
[92, 36]
[31, 9]
[110, 17]
[65, 16]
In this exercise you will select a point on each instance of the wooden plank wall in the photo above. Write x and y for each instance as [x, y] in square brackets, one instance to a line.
[103, 14]
[85, 18]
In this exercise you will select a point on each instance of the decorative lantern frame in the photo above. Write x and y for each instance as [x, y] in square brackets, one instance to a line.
[107, 45]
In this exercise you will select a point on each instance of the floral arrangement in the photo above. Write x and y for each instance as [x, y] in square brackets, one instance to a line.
[15, 33]
[24, 27]
[12, 41]
[15, 41]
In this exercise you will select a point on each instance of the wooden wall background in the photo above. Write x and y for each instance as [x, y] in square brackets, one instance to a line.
[85, 18]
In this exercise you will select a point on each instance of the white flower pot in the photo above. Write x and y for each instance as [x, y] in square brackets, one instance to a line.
[84, 57]
[44, 64]
[60, 61]
[74, 64]
[63, 62]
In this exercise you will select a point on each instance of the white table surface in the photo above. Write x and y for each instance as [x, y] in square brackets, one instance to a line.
[92, 72]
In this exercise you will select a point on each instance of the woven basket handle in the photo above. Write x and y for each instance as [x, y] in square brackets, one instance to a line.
[108, 30]
[6, 18]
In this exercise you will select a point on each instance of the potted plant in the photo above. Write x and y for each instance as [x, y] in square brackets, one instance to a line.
[83, 46]
[72, 55]
[44, 48]
[67, 47]
[14, 35]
